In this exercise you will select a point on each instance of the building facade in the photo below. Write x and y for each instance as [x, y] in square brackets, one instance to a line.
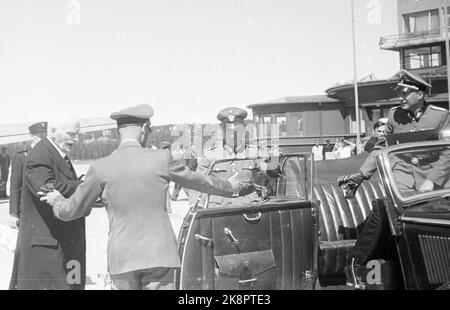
[420, 44]
[301, 120]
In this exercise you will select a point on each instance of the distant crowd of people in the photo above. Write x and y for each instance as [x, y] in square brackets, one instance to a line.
[345, 148]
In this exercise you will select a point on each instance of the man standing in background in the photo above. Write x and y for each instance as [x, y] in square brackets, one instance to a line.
[5, 161]
[37, 132]
[327, 148]
[317, 150]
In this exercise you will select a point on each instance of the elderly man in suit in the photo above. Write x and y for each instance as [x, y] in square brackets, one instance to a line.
[52, 252]
[132, 183]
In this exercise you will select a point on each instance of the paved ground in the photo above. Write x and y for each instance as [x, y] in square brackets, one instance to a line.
[96, 239]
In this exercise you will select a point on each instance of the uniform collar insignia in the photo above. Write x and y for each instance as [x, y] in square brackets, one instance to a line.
[416, 116]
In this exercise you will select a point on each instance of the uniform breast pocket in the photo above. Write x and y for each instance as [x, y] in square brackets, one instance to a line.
[46, 241]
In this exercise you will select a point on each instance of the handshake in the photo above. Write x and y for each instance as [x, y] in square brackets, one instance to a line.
[245, 188]
[49, 194]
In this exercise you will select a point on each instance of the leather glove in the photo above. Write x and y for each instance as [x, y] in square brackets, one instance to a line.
[350, 184]
[246, 188]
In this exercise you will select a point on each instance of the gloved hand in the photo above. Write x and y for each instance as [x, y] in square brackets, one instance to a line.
[350, 184]
[240, 188]
[246, 188]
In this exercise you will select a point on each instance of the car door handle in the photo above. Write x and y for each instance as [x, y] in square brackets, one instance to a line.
[252, 219]
[203, 238]
[220, 170]
[247, 281]
[230, 235]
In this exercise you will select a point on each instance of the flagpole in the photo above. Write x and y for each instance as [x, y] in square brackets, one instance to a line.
[355, 76]
[447, 49]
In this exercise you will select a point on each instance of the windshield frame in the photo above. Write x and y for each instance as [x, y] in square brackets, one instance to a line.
[281, 160]
[389, 183]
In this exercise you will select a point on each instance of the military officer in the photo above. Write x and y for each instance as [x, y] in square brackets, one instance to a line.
[37, 131]
[412, 115]
[230, 144]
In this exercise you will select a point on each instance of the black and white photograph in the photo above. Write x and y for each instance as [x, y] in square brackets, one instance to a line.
[238, 146]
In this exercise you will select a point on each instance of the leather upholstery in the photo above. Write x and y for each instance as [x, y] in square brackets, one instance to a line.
[340, 222]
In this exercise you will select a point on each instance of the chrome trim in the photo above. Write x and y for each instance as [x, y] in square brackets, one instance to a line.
[385, 170]
[413, 220]
[247, 281]
[252, 219]
[436, 257]
[185, 248]
[203, 238]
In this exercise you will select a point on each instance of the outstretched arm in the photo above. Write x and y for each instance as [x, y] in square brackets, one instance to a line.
[80, 203]
[182, 175]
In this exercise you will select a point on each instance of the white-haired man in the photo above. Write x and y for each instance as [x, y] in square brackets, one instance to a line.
[52, 252]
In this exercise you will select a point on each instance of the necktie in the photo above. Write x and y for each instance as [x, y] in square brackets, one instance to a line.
[66, 158]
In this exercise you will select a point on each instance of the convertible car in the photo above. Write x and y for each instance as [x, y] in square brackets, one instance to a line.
[296, 229]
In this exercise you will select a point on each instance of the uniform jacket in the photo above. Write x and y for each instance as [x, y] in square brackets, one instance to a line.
[16, 182]
[431, 117]
[226, 170]
[132, 183]
[47, 247]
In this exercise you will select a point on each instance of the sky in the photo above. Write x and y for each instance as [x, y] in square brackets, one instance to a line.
[188, 59]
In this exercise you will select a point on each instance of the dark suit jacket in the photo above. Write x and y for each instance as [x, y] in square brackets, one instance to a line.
[16, 183]
[48, 248]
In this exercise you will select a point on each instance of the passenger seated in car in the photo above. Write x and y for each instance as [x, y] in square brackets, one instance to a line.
[413, 114]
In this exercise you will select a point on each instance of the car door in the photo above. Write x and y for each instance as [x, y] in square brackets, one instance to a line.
[256, 245]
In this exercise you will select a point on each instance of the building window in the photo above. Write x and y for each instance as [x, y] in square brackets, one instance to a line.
[423, 57]
[421, 21]
[265, 123]
[265, 119]
[281, 121]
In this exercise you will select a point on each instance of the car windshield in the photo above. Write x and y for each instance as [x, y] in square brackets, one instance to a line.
[270, 177]
[421, 170]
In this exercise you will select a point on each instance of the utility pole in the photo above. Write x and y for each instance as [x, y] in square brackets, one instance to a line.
[447, 49]
[355, 77]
